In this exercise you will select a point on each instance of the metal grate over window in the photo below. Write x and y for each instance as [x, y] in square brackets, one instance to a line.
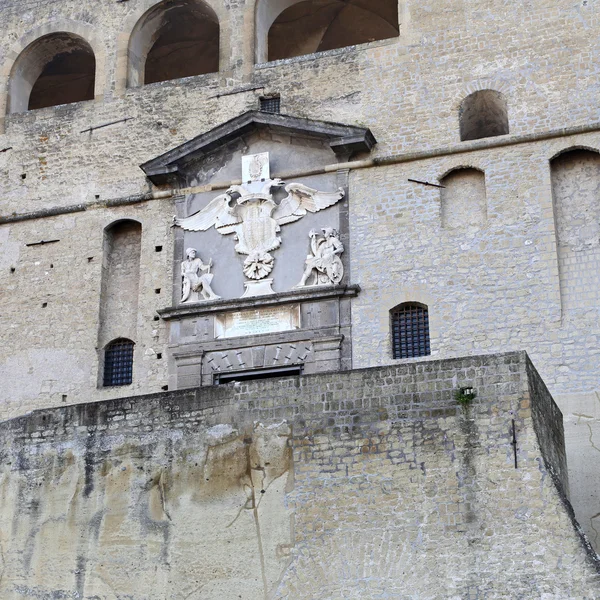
[118, 363]
[410, 330]
[271, 105]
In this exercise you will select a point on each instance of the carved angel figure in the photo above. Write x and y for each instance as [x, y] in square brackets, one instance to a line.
[196, 279]
[255, 218]
[324, 262]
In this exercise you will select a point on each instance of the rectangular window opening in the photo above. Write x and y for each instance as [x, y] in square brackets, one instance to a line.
[231, 377]
[271, 105]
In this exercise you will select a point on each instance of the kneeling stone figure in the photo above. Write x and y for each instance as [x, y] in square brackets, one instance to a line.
[196, 279]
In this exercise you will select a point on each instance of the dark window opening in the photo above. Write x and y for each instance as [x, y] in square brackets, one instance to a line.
[271, 105]
[186, 41]
[118, 363]
[410, 330]
[483, 114]
[319, 25]
[68, 77]
[221, 378]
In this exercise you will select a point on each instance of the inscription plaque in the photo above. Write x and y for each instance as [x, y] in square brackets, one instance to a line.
[257, 320]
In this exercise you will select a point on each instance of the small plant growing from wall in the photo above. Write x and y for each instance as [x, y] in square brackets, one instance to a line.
[464, 396]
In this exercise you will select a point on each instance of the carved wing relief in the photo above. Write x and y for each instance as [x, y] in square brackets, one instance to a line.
[217, 212]
[302, 198]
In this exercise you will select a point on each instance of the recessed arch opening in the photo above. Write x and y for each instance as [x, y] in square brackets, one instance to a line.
[174, 39]
[575, 177]
[463, 198]
[483, 114]
[59, 68]
[286, 28]
[118, 363]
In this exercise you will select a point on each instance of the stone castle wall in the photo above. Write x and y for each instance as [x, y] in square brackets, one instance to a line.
[493, 285]
[366, 484]
[501, 277]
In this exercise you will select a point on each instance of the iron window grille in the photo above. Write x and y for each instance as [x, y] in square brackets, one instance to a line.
[118, 363]
[410, 331]
[271, 105]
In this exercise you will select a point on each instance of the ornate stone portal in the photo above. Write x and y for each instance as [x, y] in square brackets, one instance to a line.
[285, 303]
[251, 213]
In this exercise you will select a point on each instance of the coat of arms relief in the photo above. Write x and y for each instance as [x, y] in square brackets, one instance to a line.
[251, 213]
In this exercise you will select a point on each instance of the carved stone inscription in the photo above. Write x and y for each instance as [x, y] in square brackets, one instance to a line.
[257, 320]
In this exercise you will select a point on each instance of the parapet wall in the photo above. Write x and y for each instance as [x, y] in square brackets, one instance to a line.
[364, 484]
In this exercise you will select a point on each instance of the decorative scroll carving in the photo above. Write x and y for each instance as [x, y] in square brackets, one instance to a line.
[255, 218]
[196, 279]
[324, 263]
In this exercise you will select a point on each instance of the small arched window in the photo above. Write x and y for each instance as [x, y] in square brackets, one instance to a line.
[483, 114]
[410, 330]
[463, 199]
[118, 363]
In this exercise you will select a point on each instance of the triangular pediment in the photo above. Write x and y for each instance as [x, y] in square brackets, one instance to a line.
[344, 141]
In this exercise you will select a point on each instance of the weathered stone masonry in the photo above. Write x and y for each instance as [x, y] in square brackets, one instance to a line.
[364, 484]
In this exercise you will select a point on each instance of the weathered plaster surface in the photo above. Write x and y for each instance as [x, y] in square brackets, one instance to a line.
[369, 484]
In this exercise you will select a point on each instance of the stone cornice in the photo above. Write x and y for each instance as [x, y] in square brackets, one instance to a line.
[301, 295]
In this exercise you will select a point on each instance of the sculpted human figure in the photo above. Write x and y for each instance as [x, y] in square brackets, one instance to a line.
[324, 262]
[196, 278]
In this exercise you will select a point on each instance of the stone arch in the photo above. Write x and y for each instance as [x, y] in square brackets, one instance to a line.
[575, 176]
[463, 198]
[573, 149]
[18, 71]
[483, 113]
[287, 28]
[171, 40]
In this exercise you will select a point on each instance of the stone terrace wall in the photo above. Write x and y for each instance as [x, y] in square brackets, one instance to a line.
[364, 484]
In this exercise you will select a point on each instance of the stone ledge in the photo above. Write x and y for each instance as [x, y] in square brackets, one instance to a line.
[308, 294]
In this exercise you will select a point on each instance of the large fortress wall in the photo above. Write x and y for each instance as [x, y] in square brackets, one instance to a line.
[407, 91]
[489, 288]
[370, 484]
[503, 276]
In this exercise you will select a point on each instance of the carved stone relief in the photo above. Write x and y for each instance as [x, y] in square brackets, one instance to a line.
[324, 264]
[196, 279]
[251, 213]
[274, 355]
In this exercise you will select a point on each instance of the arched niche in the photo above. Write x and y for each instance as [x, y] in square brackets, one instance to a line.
[463, 198]
[483, 114]
[174, 39]
[287, 28]
[575, 178]
[120, 281]
[58, 68]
